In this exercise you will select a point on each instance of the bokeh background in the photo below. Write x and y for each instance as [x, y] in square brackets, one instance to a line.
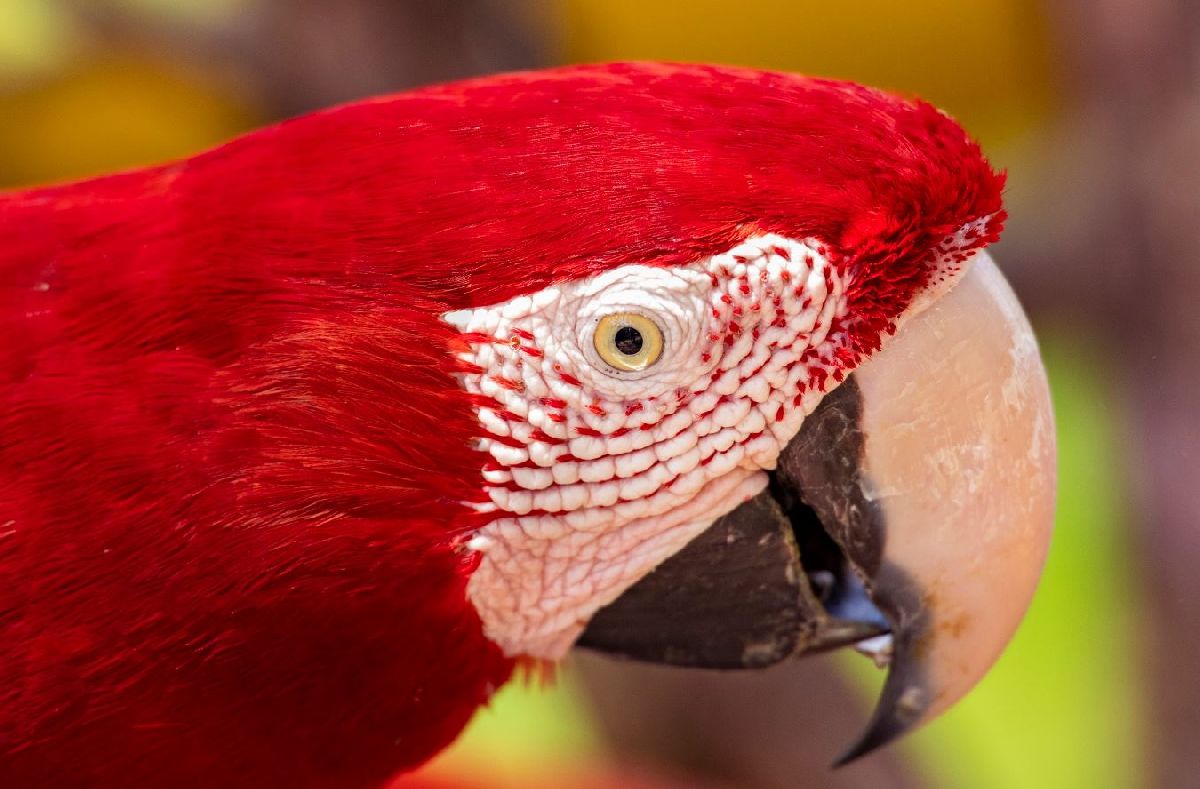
[1094, 108]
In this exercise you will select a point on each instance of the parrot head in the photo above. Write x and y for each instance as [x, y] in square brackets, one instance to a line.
[699, 365]
[726, 249]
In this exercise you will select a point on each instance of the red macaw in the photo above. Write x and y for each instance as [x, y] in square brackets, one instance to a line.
[307, 440]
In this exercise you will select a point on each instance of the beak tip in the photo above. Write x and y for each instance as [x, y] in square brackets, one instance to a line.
[892, 719]
[854, 753]
[862, 748]
[902, 706]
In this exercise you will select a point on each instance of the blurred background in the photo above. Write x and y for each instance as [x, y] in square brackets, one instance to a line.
[1093, 106]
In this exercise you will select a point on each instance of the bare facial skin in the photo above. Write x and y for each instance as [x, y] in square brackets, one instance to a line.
[606, 473]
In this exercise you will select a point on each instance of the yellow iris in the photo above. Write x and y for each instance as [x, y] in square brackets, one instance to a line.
[628, 342]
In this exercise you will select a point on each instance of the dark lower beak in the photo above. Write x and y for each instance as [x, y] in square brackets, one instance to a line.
[765, 582]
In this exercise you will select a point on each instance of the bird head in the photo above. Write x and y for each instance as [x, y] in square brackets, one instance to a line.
[660, 273]
[700, 365]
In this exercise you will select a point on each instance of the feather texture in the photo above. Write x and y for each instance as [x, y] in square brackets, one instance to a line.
[233, 454]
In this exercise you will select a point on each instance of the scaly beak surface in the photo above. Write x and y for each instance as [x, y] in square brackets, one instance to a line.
[910, 515]
[959, 457]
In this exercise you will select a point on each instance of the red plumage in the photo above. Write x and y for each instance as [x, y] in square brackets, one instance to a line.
[232, 452]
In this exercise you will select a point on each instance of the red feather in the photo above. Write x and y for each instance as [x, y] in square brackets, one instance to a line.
[232, 453]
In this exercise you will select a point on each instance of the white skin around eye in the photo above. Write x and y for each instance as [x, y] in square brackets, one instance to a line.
[676, 300]
[600, 475]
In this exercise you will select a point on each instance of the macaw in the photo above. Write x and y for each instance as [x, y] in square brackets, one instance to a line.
[310, 440]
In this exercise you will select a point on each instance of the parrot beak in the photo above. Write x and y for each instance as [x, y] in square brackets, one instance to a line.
[959, 459]
[910, 516]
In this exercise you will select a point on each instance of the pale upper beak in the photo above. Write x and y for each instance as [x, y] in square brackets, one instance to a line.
[959, 454]
[916, 502]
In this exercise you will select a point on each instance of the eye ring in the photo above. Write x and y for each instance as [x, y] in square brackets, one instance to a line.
[628, 342]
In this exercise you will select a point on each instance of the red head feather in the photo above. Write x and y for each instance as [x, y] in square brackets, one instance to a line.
[232, 453]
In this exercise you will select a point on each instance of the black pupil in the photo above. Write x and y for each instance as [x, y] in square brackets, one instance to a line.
[628, 340]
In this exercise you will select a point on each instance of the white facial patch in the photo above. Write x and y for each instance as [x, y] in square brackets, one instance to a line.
[596, 475]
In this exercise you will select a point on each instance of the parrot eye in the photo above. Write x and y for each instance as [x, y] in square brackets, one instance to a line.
[628, 342]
